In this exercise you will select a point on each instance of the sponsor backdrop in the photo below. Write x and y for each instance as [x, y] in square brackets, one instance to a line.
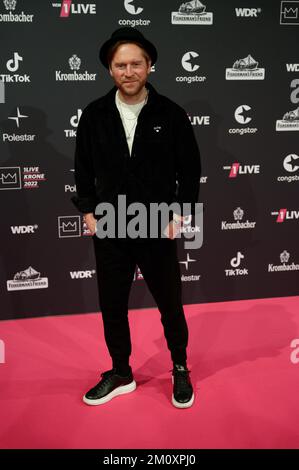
[232, 65]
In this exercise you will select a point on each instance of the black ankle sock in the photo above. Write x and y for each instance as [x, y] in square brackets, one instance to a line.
[122, 369]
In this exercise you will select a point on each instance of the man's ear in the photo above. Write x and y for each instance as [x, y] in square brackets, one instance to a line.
[110, 71]
[149, 66]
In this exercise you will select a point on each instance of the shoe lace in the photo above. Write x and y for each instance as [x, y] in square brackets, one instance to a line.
[105, 378]
[182, 378]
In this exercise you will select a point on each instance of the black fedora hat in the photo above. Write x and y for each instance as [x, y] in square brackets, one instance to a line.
[130, 35]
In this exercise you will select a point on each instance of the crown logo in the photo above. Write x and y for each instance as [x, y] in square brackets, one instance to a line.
[238, 213]
[10, 4]
[284, 256]
[290, 13]
[69, 226]
[74, 62]
[9, 178]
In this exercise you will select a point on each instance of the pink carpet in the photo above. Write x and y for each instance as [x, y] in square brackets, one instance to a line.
[245, 375]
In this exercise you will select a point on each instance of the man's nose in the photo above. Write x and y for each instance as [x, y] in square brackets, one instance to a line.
[129, 70]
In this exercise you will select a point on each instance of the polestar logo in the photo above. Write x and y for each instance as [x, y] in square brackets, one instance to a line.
[188, 61]
[291, 163]
[131, 8]
[186, 263]
[18, 117]
[240, 116]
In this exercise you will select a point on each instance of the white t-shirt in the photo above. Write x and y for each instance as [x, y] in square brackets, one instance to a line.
[129, 114]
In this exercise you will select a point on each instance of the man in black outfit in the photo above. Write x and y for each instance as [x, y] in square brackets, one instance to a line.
[137, 143]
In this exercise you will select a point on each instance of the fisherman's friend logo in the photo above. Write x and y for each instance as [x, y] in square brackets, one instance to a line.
[289, 122]
[245, 69]
[27, 279]
[193, 12]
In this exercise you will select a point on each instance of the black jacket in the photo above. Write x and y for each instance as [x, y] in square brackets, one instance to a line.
[165, 161]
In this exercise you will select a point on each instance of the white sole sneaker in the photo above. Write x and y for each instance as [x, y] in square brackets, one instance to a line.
[183, 405]
[177, 404]
[117, 391]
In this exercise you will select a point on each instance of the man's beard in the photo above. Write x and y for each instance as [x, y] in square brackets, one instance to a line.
[132, 90]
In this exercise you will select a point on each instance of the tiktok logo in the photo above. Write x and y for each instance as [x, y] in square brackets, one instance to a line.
[76, 118]
[13, 64]
[235, 270]
[235, 262]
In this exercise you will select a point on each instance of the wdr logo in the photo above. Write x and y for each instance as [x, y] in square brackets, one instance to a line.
[284, 214]
[67, 8]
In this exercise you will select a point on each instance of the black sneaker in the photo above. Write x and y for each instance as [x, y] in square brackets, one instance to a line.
[183, 396]
[109, 387]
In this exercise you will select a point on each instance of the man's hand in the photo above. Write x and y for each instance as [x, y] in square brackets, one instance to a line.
[173, 228]
[91, 222]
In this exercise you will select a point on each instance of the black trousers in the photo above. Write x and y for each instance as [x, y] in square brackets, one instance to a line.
[116, 261]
